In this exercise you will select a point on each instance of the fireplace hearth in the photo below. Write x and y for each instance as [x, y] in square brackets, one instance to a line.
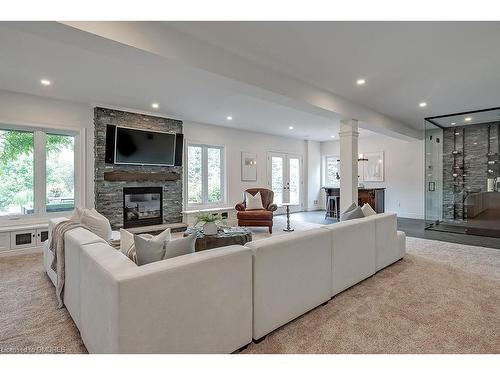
[142, 206]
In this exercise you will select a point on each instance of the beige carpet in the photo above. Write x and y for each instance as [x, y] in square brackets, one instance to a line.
[441, 298]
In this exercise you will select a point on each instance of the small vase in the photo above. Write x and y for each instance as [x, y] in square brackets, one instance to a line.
[210, 228]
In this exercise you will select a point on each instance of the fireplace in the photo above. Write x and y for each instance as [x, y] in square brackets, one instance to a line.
[142, 206]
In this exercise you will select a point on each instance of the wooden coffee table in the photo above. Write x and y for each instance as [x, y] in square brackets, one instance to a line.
[205, 242]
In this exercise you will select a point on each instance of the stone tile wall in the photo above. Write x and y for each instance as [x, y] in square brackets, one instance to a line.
[109, 194]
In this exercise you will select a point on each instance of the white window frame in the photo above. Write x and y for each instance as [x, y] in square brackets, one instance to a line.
[39, 171]
[325, 170]
[204, 178]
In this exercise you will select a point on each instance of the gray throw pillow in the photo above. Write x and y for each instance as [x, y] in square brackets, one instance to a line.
[351, 207]
[181, 246]
[148, 250]
[357, 213]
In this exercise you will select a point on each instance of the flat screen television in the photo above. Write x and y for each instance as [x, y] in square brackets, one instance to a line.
[144, 147]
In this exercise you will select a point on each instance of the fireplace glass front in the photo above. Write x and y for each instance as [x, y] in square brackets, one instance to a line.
[142, 206]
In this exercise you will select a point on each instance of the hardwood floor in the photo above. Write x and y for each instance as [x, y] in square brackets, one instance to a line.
[412, 228]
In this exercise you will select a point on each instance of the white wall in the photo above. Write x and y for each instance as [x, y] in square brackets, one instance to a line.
[40, 112]
[404, 172]
[236, 141]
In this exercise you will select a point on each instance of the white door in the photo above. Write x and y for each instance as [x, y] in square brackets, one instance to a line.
[284, 173]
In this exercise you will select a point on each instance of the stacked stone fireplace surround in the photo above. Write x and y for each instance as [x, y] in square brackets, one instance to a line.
[109, 194]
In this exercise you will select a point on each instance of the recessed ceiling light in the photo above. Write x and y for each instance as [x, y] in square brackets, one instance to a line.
[361, 82]
[422, 105]
[155, 105]
[45, 82]
[229, 118]
[453, 123]
[290, 127]
[332, 136]
[468, 119]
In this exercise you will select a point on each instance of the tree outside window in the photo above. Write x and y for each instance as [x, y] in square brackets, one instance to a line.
[205, 171]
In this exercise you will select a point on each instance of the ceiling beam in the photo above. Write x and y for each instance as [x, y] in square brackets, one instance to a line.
[241, 74]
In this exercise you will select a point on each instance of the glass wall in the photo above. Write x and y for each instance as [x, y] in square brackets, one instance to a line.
[462, 173]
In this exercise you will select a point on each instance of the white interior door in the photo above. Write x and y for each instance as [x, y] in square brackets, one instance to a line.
[284, 173]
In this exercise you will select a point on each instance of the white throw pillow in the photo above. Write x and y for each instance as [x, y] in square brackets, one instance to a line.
[253, 202]
[368, 210]
[127, 243]
[97, 223]
[77, 214]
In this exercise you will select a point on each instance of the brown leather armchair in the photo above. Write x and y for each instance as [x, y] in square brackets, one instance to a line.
[257, 218]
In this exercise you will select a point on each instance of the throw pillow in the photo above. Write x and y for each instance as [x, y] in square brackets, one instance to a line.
[368, 210]
[148, 250]
[181, 246]
[97, 223]
[357, 213]
[77, 214]
[127, 244]
[253, 202]
[351, 207]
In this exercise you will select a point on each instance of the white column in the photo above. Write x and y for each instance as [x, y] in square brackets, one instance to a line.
[348, 163]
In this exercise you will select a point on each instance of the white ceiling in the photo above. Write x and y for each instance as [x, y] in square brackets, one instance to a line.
[88, 69]
[475, 118]
[450, 65]
[453, 66]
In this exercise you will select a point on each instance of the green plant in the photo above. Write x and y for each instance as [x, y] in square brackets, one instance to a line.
[207, 217]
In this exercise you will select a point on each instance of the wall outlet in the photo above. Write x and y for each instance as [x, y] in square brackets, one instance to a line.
[315, 201]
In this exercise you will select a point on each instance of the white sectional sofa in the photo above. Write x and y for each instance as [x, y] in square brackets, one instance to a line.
[195, 303]
[216, 301]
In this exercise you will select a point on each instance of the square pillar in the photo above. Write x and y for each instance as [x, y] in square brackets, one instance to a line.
[348, 163]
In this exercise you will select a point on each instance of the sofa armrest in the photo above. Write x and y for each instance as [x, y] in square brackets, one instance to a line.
[240, 206]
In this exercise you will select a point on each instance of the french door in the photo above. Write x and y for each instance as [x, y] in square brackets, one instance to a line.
[284, 174]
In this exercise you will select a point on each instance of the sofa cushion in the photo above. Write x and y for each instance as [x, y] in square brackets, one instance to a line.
[353, 252]
[255, 215]
[253, 202]
[292, 274]
[386, 243]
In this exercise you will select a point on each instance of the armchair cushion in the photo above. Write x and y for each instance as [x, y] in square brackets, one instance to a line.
[255, 215]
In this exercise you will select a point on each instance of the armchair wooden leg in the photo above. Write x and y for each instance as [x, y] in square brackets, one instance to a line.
[270, 230]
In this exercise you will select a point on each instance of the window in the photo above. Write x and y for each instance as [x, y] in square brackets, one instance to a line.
[60, 166]
[16, 172]
[41, 184]
[205, 174]
[332, 165]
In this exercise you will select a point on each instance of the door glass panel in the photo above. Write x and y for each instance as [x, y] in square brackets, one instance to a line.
[60, 172]
[294, 181]
[277, 178]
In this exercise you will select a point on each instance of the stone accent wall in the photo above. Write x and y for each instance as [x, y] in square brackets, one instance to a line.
[475, 166]
[109, 194]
